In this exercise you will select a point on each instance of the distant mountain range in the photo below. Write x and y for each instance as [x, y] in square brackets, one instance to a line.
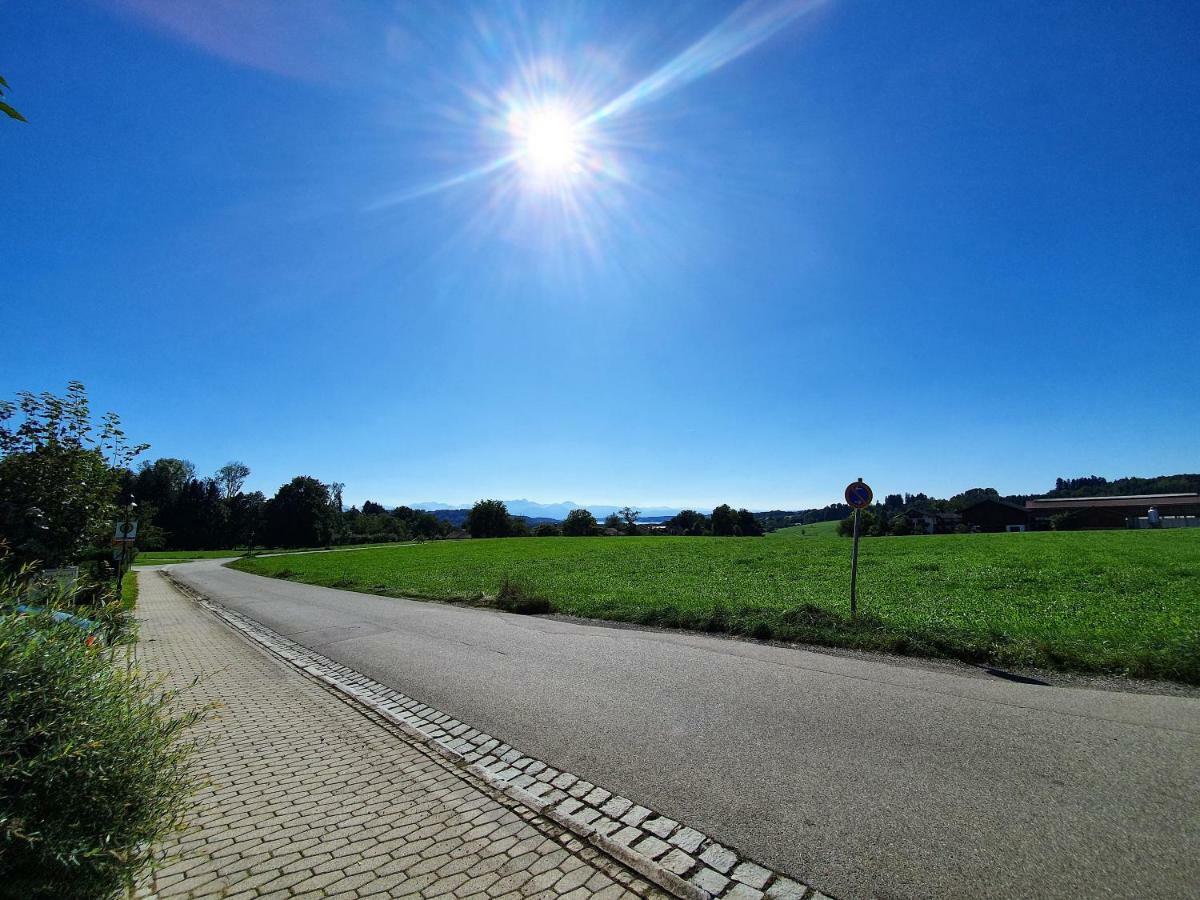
[555, 512]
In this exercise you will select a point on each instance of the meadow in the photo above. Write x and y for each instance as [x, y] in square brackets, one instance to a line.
[1103, 601]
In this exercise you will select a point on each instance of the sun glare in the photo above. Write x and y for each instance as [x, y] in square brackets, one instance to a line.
[549, 141]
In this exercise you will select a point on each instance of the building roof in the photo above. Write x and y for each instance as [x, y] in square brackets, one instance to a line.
[1140, 500]
[992, 501]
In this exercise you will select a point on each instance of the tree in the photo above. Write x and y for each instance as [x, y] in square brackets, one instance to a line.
[60, 474]
[231, 477]
[747, 525]
[579, 523]
[371, 508]
[300, 514]
[426, 525]
[247, 519]
[724, 521]
[547, 529]
[200, 517]
[867, 523]
[630, 517]
[613, 521]
[162, 481]
[688, 521]
[489, 519]
[971, 497]
[4, 107]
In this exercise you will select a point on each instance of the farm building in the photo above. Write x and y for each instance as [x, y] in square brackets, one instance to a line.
[1132, 511]
[925, 521]
[995, 515]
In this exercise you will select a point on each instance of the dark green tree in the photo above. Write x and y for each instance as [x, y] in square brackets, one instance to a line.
[489, 519]
[971, 497]
[868, 522]
[200, 517]
[247, 519]
[688, 521]
[579, 523]
[724, 521]
[629, 517]
[747, 525]
[426, 525]
[300, 514]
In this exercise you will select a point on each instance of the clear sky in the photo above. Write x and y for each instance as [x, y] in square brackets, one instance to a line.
[663, 254]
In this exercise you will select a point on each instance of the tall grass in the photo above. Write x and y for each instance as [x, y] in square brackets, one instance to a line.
[93, 755]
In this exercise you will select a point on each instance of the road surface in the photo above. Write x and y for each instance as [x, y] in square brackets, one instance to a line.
[863, 778]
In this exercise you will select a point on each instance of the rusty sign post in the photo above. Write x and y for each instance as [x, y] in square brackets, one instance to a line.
[859, 496]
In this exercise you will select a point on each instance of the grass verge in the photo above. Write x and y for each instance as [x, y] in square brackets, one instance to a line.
[129, 590]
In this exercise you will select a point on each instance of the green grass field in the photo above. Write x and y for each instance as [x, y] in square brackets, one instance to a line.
[1116, 601]
[819, 530]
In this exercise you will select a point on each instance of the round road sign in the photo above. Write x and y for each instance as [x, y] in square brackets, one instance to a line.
[859, 494]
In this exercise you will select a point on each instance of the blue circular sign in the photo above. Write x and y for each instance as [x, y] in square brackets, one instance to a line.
[859, 495]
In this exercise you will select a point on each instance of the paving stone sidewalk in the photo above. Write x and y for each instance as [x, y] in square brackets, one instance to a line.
[307, 795]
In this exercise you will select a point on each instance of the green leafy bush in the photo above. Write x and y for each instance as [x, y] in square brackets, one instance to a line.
[515, 597]
[93, 762]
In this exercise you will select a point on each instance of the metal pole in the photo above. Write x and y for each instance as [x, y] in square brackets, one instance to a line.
[854, 572]
[124, 550]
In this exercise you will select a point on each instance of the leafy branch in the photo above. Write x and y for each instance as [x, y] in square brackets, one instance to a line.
[4, 107]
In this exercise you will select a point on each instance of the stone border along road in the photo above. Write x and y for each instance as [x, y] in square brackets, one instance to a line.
[677, 858]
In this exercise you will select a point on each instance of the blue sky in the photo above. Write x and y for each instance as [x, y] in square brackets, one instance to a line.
[938, 245]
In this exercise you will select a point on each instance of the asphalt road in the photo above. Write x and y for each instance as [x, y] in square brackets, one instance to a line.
[863, 778]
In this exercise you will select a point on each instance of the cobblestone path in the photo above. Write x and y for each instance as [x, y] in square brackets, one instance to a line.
[306, 795]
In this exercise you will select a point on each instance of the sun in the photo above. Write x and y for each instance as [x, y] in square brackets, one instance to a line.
[548, 140]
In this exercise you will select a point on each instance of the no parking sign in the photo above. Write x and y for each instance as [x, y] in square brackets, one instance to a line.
[859, 496]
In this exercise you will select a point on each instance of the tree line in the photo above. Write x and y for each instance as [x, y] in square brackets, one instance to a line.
[1098, 486]
[180, 510]
[490, 519]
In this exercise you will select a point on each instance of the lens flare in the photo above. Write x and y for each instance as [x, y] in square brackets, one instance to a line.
[554, 138]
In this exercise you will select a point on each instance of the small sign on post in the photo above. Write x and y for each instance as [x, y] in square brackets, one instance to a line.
[859, 496]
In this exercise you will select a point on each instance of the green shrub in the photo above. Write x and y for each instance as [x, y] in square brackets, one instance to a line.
[93, 767]
[1077, 519]
[516, 598]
